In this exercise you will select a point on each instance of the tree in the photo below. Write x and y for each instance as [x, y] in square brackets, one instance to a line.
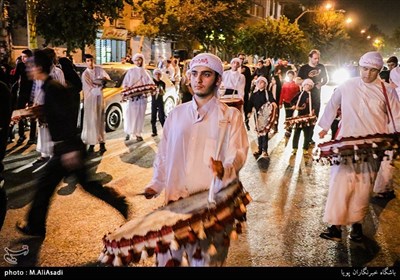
[212, 23]
[273, 38]
[74, 22]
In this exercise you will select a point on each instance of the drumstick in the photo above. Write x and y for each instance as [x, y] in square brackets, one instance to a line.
[221, 136]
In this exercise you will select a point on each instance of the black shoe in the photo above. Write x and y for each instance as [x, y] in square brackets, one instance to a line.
[139, 138]
[332, 233]
[356, 233]
[25, 229]
[386, 195]
[32, 141]
[91, 149]
[154, 134]
[127, 137]
[21, 140]
[103, 147]
[257, 154]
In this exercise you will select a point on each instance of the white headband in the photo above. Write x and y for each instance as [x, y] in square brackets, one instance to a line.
[208, 60]
[371, 60]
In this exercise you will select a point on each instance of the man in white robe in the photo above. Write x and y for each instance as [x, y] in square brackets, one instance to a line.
[364, 112]
[185, 162]
[233, 81]
[94, 125]
[136, 107]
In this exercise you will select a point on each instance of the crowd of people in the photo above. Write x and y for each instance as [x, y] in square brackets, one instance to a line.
[203, 133]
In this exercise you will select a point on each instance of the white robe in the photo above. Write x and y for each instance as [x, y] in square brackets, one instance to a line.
[44, 143]
[364, 112]
[93, 129]
[234, 80]
[135, 110]
[190, 138]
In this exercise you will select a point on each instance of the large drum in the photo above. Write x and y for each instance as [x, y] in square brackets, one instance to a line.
[177, 225]
[137, 91]
[232, 102]
[300, 121]
[356, 149]
[266, 118]
[29, 112]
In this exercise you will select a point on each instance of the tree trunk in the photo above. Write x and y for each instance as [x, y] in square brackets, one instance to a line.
[31, 24]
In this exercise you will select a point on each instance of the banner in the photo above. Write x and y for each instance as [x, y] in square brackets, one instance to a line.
[114, 33]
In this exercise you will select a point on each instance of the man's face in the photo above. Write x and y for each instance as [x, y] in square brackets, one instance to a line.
[235, 65]
[241, 57]
[89, 63]
[391, 65]
[202, 80]
[314, 60]
[157, 76]
[138, 62]
[24, 58]
[261, 85]
[368, 75]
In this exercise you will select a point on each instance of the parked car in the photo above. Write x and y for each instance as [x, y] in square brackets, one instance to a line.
[112, 93]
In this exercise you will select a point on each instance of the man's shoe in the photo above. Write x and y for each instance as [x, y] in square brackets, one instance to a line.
[127, 137]
[305, 152]
[32, 141]
[332, 233]
[25, 229]
[154, 134]
[257, 154]
[385, 195]
[139, 138]
[91, 149]
[264, 154]
[103, 147]
[21, 140]
[356, 233]
[294, 152]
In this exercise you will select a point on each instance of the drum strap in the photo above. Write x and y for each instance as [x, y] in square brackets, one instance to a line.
[309, 101]
[388, 105]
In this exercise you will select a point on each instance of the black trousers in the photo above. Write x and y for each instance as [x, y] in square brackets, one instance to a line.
[263, 143]
[157, 105]
[52, 174]
[308, 130]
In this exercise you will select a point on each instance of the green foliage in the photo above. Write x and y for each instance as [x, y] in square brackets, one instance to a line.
[73, 22]
[273, 38]
[212, 22]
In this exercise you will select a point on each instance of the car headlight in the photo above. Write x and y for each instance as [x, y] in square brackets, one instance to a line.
[340, 76]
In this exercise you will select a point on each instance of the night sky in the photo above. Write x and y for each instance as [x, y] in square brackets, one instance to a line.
[384, 13]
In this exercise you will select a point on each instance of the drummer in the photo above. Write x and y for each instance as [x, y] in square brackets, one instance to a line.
[233, 81]
[186, 162]
[364, 112]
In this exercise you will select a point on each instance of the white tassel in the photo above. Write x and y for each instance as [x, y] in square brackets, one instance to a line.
[162, 259]
[212, 250]
[174, 245]
[139, 247]
[125, 251]
[151, 243]
[117, 261]
[201, 234]
[197, 263]
[233, 235]
[144, 255]
[242, 208]
[105, 259]
[100, 258]
[168, 238]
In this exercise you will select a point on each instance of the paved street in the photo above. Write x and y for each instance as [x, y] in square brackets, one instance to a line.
[284, 219]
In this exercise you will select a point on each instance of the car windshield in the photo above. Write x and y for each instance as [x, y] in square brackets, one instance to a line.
[117, 75]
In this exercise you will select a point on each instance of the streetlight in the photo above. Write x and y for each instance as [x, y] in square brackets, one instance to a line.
[315, 11]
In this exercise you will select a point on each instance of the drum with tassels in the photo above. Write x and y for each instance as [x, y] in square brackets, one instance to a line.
[300, 121]
[190, 225]
[356, 149]
[266, 118]
[137, 91]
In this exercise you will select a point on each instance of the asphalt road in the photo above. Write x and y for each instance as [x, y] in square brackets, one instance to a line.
[283, 220]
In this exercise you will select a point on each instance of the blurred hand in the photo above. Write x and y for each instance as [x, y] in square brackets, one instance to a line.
[217, 168]
[322, 134]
